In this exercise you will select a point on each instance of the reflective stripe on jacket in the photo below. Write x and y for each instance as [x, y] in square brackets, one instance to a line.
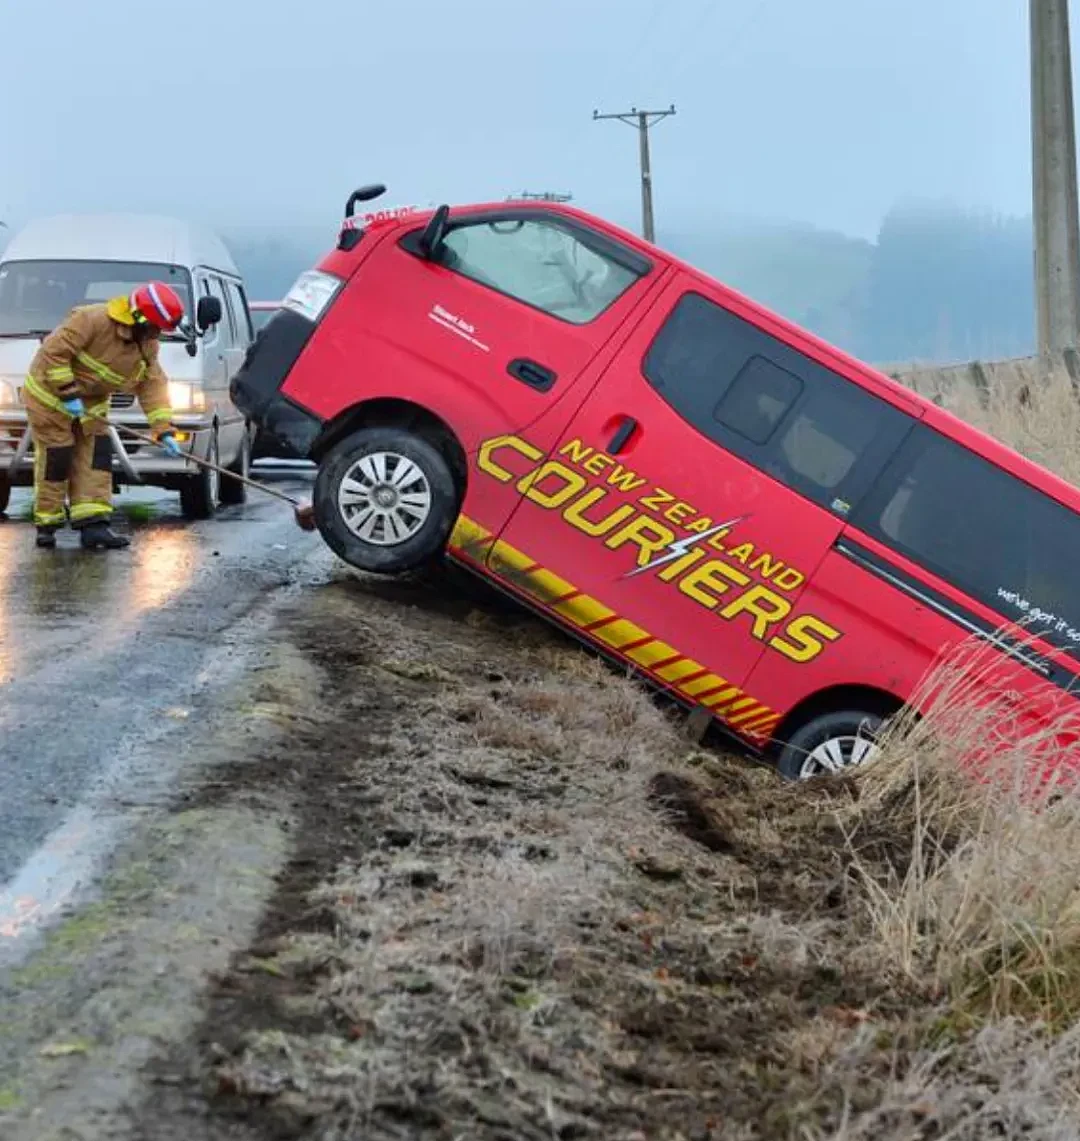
[93, 356]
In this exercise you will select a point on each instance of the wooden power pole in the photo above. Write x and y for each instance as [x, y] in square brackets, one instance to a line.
[643, 120]
[1053, 142]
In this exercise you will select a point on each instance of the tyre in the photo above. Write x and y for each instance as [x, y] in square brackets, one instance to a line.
[5, 496]
[200, 494]
[385, 500]
[233, 491]
[830, 743]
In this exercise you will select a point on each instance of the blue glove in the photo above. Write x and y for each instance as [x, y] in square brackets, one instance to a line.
[75, 406]
[168, 442]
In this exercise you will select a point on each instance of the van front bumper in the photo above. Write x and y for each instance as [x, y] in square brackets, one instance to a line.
[133, 461]
[256, 387]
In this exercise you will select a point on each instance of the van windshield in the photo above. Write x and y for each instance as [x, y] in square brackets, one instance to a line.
[35, 296]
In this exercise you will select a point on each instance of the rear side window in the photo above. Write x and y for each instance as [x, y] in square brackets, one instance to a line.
[987, 533]
[240, 312]
[226, 330]
[540, 263]
[770, 404]
[758, 399]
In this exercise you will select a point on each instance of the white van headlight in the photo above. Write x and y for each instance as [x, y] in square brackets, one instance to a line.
[184, 397]
[9, 394]
[312, 293]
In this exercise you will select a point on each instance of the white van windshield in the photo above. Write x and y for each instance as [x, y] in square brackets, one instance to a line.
[35, 296]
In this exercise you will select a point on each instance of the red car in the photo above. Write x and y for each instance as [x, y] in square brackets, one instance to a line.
[762, 525]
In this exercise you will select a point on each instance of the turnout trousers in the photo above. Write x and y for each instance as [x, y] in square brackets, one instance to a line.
[72, 464]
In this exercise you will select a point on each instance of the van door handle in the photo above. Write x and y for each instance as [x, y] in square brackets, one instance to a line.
[623, 433]
[531, 373]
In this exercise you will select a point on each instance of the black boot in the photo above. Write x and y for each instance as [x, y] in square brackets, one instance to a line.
[100, 536]
[46, 537]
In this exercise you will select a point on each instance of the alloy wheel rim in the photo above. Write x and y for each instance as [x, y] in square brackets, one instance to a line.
[384, 498]
[836, 754]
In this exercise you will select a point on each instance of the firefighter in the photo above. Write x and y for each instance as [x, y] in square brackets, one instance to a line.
[97, 351]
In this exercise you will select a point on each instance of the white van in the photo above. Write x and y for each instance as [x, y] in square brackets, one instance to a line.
[57, 263]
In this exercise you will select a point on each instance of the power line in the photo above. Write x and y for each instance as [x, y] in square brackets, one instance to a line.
[642, 121]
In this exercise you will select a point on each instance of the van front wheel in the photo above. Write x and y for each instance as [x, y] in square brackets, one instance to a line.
[830, 743]
[385, 500]
[200, 494]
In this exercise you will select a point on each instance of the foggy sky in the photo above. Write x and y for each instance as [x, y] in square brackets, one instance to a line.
[239, 111]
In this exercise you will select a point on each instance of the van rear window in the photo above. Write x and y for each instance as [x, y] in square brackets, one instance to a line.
[987, 533]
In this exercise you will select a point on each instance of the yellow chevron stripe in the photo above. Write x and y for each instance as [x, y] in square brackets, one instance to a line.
[507, 558]
[620, 633]
[548, 586]
[722, 698]
[728, 702]
[682, 668]
[743, 716]
[651, 653]
[702, 684]
[583, 610]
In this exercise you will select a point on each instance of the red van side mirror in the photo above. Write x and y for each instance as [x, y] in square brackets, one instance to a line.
[433, 233]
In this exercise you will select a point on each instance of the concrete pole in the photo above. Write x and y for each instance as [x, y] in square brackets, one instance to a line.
[1053, 132]
[647, 227]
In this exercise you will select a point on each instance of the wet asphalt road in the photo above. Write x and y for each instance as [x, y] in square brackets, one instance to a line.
[101, 651]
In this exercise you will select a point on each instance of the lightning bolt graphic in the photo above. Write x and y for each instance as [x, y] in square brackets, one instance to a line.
[680, 547]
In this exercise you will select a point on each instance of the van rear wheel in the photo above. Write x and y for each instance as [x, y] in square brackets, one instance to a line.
[830, 743]
[232, 491]
[385, 500]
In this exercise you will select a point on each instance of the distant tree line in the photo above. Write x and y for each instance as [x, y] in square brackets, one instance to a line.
[939, 284]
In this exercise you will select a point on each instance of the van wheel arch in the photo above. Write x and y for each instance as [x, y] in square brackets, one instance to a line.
[867, 698]
[389, 412]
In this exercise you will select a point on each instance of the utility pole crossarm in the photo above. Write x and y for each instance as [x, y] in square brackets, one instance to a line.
[642, 121]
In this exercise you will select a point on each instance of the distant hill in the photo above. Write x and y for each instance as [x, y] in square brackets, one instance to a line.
[816, 278]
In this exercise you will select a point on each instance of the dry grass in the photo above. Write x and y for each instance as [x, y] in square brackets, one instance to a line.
[1038, 417]
[981, 892]
[567, 923]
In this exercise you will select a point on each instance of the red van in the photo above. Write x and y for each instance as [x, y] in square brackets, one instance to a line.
[757, 522]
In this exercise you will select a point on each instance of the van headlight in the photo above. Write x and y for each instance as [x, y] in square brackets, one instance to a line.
[184, 397]
[9, 394]
[312, 293]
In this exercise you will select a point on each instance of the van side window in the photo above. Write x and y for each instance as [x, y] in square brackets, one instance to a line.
[983, 530]
[227, 328]
[240, 313]
[538, 262]
[758, 399]
[803, 424]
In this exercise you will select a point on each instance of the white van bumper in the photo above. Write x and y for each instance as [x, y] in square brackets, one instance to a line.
[133, 461]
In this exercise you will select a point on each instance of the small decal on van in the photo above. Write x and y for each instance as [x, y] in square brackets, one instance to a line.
[457, 325]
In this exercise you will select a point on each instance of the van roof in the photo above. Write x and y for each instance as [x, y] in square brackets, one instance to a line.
[119, 237]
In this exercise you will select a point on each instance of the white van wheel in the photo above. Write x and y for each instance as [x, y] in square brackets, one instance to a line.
[234, 492]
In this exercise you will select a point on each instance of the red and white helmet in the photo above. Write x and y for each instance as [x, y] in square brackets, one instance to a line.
[156, 304]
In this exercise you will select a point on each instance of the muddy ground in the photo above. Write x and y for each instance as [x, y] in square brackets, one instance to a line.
[516, 901]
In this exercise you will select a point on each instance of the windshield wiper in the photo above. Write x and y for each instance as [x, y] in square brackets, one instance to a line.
[25, 333]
